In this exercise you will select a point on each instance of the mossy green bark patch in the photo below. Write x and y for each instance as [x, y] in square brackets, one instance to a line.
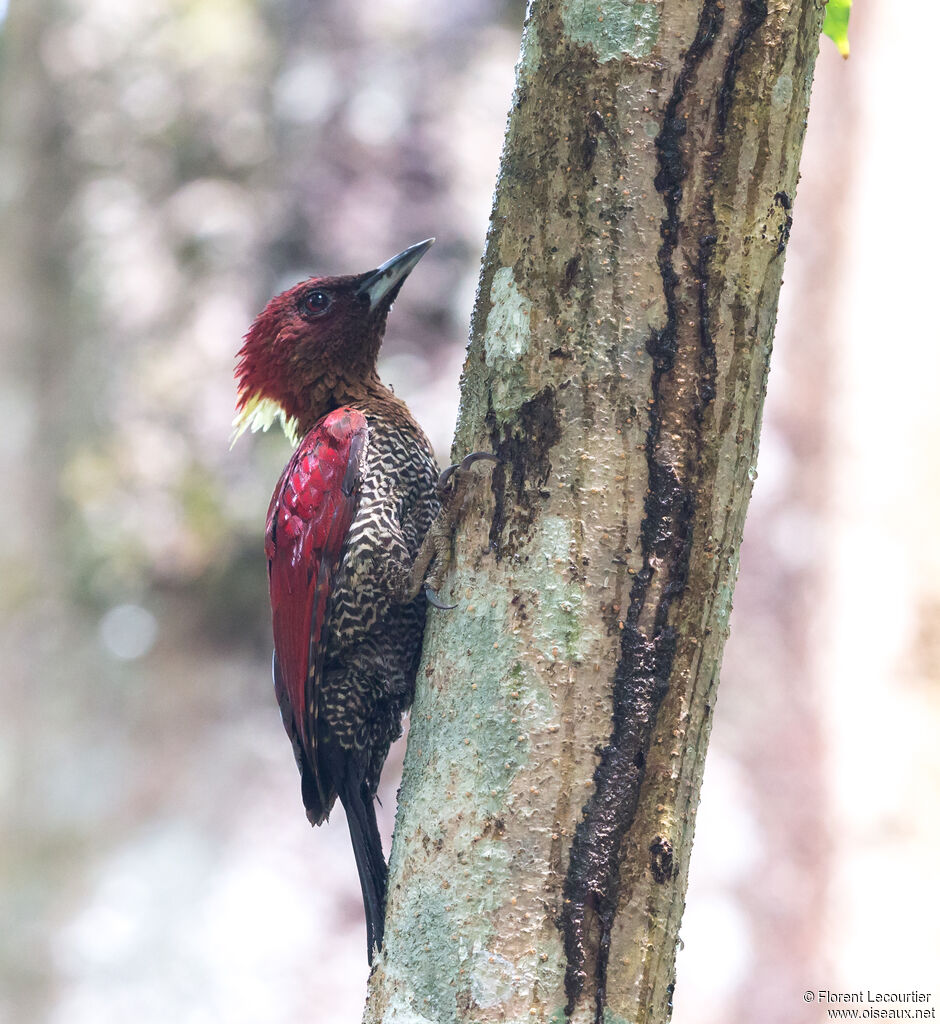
[399, 1012]
[462, 740]
[493, 979]
[725, 594]
[613, 1018]
[530, 54]
[507, 329]
[506, 341]
[782, 93]
[613, 28]
[448, 927]
[563, 627]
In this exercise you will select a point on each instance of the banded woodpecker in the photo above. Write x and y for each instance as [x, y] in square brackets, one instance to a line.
[357, 541]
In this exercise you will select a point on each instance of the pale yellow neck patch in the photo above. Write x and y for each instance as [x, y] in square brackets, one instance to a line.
[259, 414]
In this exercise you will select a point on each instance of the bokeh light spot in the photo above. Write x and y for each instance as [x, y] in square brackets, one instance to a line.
[127, 632]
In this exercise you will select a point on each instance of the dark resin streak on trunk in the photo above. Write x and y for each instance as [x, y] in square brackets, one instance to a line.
[523, 468]
[641, 678]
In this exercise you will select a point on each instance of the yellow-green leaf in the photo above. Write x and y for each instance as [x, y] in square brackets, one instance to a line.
[836, 25]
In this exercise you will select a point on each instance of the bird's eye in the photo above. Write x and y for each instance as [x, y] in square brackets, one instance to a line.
[314, 303]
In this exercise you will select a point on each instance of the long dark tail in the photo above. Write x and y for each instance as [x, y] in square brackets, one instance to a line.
[367, 846]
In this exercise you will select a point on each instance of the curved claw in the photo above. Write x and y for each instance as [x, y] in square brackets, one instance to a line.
[479, 457]
[435, 601]
[445, 476]
[466, 464]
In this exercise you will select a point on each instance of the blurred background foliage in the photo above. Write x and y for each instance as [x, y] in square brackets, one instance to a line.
[166, 166]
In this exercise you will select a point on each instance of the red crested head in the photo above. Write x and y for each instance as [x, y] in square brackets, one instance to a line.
[314, 340]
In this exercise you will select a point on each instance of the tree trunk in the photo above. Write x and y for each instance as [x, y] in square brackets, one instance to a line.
[617, 365]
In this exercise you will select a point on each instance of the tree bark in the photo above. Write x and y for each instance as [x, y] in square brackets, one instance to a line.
[618, 361]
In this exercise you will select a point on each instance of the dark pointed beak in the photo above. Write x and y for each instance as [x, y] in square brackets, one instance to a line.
[384, 282]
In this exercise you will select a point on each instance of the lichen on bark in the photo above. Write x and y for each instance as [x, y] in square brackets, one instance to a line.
[618, 360]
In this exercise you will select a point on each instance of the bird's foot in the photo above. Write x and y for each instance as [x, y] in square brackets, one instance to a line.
[435, 601]
[456, 476]
[452, 486]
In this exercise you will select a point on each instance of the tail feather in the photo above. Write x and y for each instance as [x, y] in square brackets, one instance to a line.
[370, 861]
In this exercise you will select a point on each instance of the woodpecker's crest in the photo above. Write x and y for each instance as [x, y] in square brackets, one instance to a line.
[311, 337]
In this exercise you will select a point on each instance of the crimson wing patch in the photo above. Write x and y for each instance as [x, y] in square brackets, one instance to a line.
[314, 504]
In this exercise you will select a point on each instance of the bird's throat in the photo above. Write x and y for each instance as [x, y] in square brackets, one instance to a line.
[368, 395]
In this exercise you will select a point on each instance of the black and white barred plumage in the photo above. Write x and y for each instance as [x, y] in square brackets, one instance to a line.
[373, 640]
